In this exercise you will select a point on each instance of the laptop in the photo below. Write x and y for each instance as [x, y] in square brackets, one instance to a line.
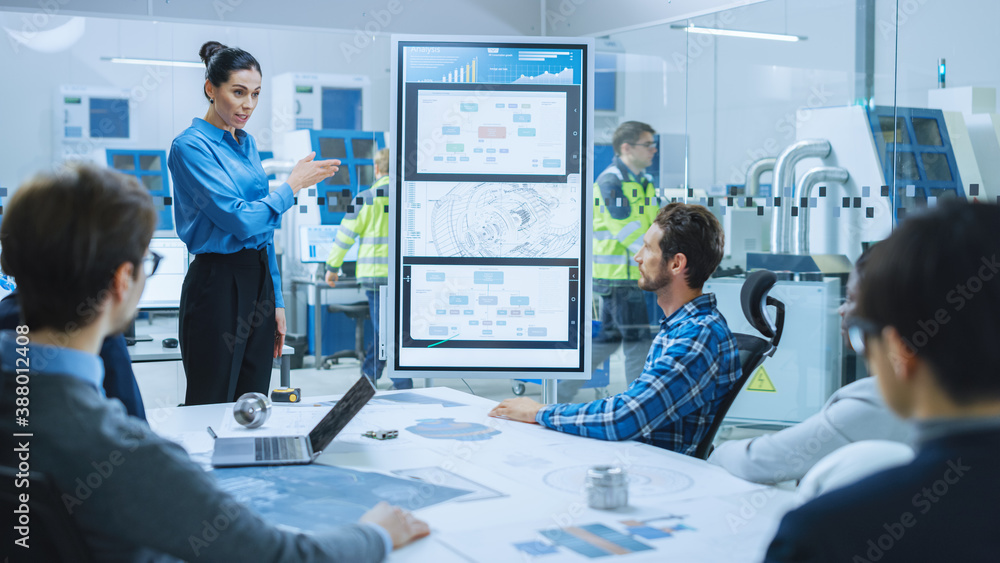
[294, 450]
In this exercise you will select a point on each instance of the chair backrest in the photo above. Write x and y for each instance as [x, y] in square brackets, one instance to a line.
[753, 350]
[53, 536]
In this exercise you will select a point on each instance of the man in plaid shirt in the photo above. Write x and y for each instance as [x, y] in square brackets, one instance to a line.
[693, 362]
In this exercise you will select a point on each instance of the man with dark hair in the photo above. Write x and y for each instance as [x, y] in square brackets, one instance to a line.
[693, 362]
[928, 325]
[151, 502]
[625, 205]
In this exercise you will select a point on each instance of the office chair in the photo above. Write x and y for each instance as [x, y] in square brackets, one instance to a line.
[753, 350]
[359, 312]
[53, 534]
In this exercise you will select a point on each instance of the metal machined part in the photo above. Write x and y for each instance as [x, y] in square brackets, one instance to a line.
[607, 487]
[252, 410]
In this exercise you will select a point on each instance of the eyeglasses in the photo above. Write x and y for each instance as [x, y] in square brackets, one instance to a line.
[858, 331]
[150, 263]
[648, 145]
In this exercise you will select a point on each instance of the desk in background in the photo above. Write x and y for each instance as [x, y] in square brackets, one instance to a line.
[349, 292]
[154, 351]
[528, 478]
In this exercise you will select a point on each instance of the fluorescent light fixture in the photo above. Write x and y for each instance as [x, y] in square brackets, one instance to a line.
[736, 33]
[154, 62]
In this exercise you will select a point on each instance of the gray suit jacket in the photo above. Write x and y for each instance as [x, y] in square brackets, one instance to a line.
[853, 413]
[138, 497]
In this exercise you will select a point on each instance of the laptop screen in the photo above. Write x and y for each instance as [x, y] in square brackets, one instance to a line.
[341, 413]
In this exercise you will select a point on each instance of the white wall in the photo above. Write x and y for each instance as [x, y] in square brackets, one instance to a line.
[480, 17]
[166, 98]
[961, 31]
[736, 98]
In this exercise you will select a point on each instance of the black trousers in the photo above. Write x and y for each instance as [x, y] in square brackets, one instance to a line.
[226, 326]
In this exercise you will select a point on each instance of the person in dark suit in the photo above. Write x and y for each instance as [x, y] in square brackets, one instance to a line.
[150, 501]
[119, 379]
[928, 325]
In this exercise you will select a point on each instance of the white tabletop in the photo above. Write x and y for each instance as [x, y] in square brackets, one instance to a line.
[154, 351]
[536, 474]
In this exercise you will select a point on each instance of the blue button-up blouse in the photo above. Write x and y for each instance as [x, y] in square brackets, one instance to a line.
[222, 203]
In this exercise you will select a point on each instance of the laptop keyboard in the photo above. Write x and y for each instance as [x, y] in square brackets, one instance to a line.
[278, 448]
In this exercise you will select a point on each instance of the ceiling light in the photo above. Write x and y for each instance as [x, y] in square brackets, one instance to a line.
[154, 62]
[736, 33]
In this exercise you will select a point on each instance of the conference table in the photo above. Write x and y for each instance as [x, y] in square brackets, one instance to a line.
[490, 489]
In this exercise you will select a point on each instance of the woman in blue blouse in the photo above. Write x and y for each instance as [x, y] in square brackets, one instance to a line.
[232, 316]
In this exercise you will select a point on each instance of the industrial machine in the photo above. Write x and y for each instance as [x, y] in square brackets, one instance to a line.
[89, 119]
[319, 101]
[977, 107]
[329, 201]
[150, 169]
[851, 175]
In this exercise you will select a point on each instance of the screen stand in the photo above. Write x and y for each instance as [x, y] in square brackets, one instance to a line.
[549, 388]
[131, 338]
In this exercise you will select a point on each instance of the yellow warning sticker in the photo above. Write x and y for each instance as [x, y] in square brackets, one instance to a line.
[759, 381]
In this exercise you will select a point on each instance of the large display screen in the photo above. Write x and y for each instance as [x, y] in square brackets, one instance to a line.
[491, 208]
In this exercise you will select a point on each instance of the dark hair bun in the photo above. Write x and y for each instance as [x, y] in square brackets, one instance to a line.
[208, 49]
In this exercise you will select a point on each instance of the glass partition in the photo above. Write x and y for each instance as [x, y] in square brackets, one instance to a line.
[799, 123]
[804, 86]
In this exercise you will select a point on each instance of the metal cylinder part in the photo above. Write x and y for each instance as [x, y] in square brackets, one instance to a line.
[252, 410]
[607, 487]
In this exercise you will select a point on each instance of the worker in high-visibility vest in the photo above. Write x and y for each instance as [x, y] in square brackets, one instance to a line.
[368, 223]
[625, 205]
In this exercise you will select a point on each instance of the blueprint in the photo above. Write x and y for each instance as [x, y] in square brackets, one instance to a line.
[316, 497]
[491, 220]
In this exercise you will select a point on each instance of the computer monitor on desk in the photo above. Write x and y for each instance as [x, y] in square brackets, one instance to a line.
[163, 290]
[315, 242]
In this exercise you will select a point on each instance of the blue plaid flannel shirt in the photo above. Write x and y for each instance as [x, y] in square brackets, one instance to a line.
[691, 366]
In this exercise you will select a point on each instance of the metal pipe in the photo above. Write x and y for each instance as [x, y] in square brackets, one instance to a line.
[784, 169]
[756, 170]
[809, 180]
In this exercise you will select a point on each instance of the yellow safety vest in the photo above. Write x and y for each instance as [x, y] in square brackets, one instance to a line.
[617, 240]
[369, 222]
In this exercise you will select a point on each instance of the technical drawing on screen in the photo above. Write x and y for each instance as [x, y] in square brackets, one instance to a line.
[489, 244]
